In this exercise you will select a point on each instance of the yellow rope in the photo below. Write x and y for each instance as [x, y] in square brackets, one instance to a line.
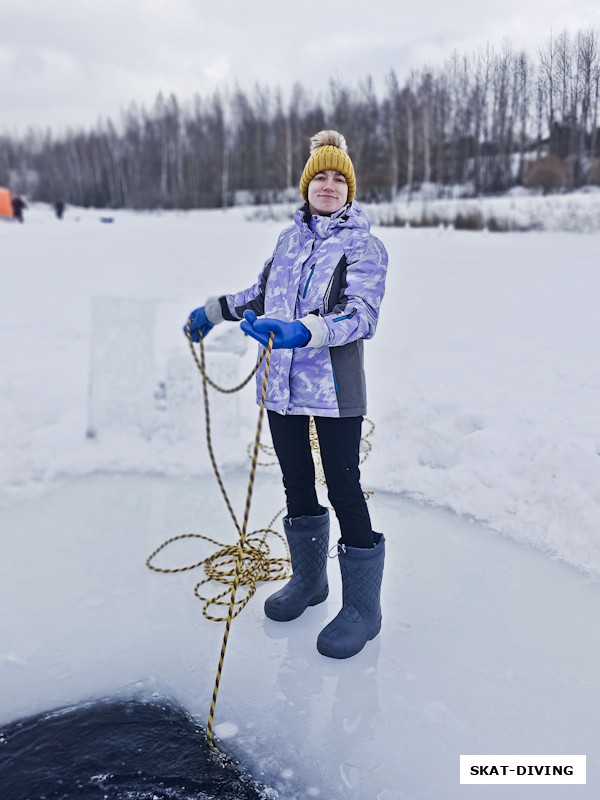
[251, 555]
[241, 542]
[258, 565]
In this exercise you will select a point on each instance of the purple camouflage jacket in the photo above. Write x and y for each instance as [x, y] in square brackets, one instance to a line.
[328, 272]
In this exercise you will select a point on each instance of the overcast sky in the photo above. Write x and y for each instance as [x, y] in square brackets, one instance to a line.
[66, 63]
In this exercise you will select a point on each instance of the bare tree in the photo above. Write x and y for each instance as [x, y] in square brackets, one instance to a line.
[547, 59]
[473, 121]
[588, 69]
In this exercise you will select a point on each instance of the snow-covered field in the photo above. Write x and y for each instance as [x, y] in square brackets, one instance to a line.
[484, 380]
[484, 375]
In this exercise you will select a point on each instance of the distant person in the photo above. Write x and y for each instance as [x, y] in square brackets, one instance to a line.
[320, 293]
[18, 205]
[59, 209]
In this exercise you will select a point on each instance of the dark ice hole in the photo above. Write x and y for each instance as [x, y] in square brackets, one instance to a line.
[117, 749]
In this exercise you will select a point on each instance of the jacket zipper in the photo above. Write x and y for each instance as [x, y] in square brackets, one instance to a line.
[345, 316]
[312, 269]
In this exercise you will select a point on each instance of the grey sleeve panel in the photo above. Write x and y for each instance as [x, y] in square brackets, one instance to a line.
[225, 312]
[256, 304]
[335, 297]
[347, 362]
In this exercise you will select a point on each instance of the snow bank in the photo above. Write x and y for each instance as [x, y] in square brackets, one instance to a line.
[518, 210]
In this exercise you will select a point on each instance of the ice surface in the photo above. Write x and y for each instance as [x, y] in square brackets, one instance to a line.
[486, 646]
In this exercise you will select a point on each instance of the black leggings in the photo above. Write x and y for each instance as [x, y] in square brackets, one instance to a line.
[339, 442]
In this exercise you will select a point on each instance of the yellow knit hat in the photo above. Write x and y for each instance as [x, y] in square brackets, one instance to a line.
[328, 151]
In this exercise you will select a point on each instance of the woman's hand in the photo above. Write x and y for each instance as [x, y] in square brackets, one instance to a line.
[198, 321]
[287, 334]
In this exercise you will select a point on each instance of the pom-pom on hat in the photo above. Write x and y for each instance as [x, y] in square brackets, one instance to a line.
[328, 150]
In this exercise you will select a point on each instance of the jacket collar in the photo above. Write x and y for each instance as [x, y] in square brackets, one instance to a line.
[317, 227]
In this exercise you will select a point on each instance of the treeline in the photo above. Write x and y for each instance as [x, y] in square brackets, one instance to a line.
[479, 120]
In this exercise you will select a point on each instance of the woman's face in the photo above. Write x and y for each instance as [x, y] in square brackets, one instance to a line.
[327, 192]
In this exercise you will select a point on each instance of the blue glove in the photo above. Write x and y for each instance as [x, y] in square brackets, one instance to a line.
[287, 334]
[198, 322]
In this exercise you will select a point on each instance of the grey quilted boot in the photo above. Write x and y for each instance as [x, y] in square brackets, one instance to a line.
[359, 621]
[308, 540]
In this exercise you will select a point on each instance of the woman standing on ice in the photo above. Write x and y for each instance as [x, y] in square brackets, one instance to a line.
[320, 293]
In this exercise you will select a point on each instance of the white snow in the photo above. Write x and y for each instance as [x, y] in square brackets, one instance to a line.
[518, 210]
[483, 379]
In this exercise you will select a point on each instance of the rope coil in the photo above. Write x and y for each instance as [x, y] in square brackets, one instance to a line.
[257, 565]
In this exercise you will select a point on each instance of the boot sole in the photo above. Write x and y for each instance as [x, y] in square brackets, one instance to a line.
[283, 617]
[328, 654]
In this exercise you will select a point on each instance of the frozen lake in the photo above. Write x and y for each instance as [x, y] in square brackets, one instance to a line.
[486, 646]
[484, 379]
